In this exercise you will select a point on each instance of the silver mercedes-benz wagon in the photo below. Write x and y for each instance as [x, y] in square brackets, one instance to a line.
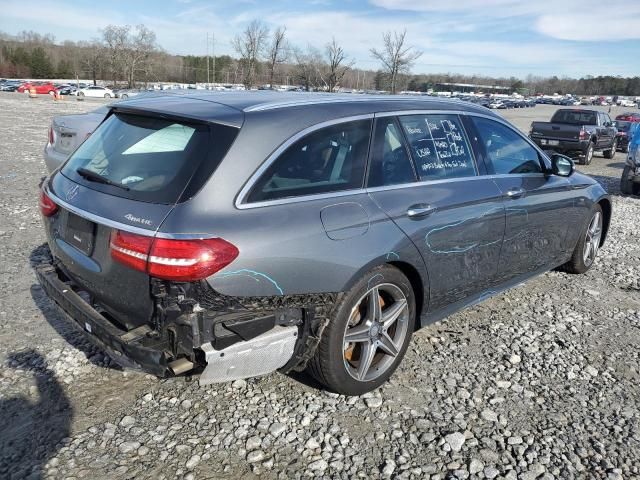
[230, 235]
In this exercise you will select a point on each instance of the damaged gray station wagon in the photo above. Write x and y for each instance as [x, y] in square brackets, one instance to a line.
[231, 235]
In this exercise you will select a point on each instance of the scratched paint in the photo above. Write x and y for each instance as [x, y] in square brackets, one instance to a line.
[257, 276]
[373, 278]
[461, 249]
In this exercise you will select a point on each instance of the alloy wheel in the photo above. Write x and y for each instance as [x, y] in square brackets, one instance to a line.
[376, 330]
[592, 239]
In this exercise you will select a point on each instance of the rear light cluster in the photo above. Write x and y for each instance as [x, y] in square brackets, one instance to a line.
[177, 260]
[51, 137]
[47, 207]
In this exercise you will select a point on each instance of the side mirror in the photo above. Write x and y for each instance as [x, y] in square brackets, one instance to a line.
[562, 165]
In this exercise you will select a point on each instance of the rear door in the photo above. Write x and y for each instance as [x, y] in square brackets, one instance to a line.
[538, 206]
[423, 174]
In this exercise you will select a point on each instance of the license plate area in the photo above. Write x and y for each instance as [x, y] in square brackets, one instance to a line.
[80, 233]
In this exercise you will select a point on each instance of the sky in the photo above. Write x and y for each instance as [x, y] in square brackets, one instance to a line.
[488, 37]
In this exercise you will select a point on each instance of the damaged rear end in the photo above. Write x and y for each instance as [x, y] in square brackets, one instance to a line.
[140, 293]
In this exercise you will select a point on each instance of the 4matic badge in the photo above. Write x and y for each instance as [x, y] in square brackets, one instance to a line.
[133, 218]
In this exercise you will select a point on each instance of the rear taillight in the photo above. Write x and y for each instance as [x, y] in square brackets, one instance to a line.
[51, 139]
[47, 207]
[178, 260]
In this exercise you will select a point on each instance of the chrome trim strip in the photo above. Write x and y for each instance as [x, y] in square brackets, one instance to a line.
[124, 226]
[439, 181]
[332, 98]
[398, 113]
[244, 192]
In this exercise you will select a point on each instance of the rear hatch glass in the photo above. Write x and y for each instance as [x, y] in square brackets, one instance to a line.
[149, 159]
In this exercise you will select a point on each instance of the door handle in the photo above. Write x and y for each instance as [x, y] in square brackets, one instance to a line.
[515, 192]
[420, 210]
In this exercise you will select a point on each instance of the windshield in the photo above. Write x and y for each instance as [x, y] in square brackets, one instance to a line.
[147, 158]
[574, 117]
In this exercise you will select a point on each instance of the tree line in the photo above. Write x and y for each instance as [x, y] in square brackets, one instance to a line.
[130, 55]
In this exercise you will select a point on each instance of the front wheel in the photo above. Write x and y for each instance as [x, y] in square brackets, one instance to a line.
[368, 334]
[106, 95]
[588, 155]
[124, 96]
[627, 186]
[589, 244]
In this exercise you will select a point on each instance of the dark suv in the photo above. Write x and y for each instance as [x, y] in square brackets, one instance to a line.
[231, 235]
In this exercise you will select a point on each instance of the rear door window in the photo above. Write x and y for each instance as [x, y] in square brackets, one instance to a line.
[329, 159]
[390, 163]
[439, 146]
[148, 158]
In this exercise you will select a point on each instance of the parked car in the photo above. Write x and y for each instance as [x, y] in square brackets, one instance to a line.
[625, 102]
[577, 132]
[233, 234]
[96, 91]
[623, 123]
[40, 87]
[67, 132]
[125, 93]
[497, 104]
[630, 180]
[66, 89]
[9, 86]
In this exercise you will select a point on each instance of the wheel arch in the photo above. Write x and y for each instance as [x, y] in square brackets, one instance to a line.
[605, 204]
[417, 283]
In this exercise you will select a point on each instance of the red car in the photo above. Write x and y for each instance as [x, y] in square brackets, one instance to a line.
[41, 87]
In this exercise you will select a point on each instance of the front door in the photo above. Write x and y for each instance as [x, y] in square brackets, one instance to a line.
[454, 216]
[538, 206]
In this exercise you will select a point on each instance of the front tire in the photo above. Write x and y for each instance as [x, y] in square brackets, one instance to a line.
[586, 251]
[368, 333]
[588, 155]
[106, 95]
[627, 186]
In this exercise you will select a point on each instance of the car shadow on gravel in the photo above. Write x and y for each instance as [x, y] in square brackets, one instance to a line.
[33, 427]
[69, 332]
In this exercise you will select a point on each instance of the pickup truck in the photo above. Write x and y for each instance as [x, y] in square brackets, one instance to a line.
[577, 133]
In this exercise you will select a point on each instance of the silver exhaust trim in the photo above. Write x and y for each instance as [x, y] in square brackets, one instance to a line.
[258, 356]
[181, 365]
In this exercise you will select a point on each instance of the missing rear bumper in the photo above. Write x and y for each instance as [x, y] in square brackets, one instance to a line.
[194, 328]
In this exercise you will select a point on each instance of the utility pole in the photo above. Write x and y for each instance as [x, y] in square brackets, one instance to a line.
[213, 53]
[207, 49]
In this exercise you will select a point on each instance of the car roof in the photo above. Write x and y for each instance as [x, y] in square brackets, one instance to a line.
[214, 105]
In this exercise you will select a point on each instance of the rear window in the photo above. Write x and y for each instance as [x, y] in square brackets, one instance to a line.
[623, 126]
[149, 159]
[575, 117]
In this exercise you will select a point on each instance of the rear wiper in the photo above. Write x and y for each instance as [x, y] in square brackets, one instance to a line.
[95, 177]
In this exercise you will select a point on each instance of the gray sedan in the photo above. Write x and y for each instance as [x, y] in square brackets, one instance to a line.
[230, 235]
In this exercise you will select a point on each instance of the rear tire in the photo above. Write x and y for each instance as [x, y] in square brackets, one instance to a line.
[106, 95]
[609, 154]
[586, 251]
[379, 341]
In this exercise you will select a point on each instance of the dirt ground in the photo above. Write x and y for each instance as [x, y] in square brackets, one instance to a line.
[540, 382]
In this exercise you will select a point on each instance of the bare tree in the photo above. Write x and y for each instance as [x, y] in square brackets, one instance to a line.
[139, 48]
[337, 64]
[249, 45]
[92, 57]
[277, 52]
[395, 56]
[308, 68]
[116, 39]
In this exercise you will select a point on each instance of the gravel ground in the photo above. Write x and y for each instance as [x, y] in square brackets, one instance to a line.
[539, 382]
